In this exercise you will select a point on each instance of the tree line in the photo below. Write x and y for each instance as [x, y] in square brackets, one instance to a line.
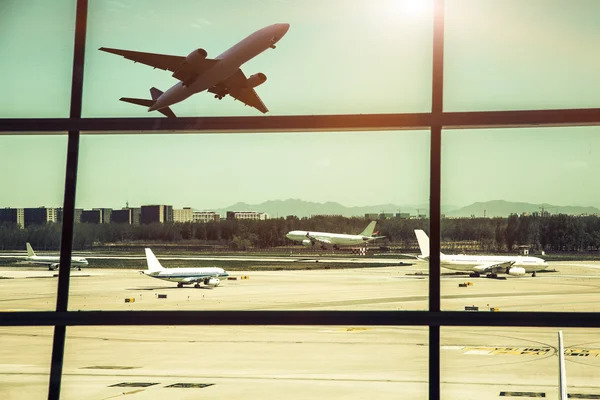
[549, 233]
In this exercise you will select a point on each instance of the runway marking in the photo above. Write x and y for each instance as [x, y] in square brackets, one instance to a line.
[134, 384]
[523, 394]
[582, 352]
[521, 351]
[108, 367]
[190, 385]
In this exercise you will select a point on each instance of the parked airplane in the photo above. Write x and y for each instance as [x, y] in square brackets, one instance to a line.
[334, 239]
[53, 262]
[183, 276]
[221, 76]
[477, 265]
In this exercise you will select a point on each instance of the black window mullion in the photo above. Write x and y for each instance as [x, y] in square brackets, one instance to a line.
[68, 214]
[437, 109]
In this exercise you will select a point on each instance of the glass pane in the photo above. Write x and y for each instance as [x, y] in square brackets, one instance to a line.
[512, 55]
[36, 43]
[522, 202]
[246, 362]
[245, 203]
[25, 366]
[30, 212]
[347, 57]
[518, 362]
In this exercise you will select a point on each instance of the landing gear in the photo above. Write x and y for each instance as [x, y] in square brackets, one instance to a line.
[474, 275]
[335, 247]
[533, 274]
[492, 275]
[218, 96]
[323, 247]
[180, 285]
[197, 285]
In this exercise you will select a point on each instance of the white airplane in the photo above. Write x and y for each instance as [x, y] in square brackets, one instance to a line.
[221, 76]
[334, 239]
[53, 262]
[183, 276]
[477, 265]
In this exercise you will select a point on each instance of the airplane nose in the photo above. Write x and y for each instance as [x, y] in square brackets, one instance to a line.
[284, 28]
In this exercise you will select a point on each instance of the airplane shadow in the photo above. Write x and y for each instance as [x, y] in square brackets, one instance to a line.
[170, 288]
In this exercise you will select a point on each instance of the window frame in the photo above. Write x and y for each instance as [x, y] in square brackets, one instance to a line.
[434, 121]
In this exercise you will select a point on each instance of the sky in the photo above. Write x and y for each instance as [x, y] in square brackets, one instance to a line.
[346, 56]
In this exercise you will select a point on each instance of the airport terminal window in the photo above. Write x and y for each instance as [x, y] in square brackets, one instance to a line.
[37, 53]
[353, 322]
[515, 55]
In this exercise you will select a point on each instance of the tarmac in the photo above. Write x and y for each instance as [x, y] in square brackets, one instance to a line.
[305, 362]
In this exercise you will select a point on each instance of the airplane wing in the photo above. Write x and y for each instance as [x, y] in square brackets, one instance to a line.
[181, 68]
[160, 61]
[493, 267]
[319, 239]
[236, 87]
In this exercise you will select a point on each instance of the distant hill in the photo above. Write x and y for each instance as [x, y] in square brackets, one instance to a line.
[501, 208]
[301, 208]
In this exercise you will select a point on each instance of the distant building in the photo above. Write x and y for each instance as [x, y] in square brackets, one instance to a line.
[105, 214]
[386, 215]
[13, 216]
[372, 216]
[76, 215]
[403, 215]
[183, 215]
[156, 213]
[121, 216]
[38, 216]
[247, 215]
[91, 216]
[205, 216]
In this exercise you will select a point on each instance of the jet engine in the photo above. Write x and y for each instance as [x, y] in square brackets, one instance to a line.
[212, 281]
[186, 72]
[516, 271]
[307, 242]
[196, 57]
[256, 79]
[54, 266]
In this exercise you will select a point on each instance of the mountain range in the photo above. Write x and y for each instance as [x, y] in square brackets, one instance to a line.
[494, 208]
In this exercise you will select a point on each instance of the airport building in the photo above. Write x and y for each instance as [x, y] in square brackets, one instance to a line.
[91, 216]
[13, 216]
[156, 213]
[186, 214]
[76, 215]
[121, 216]
[247, 215]
[105, 214]
[372, 216]
[38, 216]
[205, 216]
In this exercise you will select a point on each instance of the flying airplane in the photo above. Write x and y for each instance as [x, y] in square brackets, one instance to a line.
[183, 276]
[53, 262]
[334, 239]
[220, 76]
[477, 265]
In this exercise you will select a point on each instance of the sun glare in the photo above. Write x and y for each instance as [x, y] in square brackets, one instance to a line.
[413, 8]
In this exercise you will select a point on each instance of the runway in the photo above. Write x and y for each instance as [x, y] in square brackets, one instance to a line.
[299, 362]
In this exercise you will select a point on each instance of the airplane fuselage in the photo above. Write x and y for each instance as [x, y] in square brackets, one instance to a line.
[338, 239]
[50, 260]
[185, 274]
[228, 63]
[467, 263]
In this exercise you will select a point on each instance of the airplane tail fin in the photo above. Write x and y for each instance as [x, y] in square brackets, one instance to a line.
[155, 94]
[423, 240]
[369, 229]
[30, 252]
[153, 263]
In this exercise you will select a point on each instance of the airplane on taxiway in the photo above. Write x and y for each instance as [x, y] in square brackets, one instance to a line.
[53, 262]
[334, 239]
[210, 276]
[477, 265]
[221, 76]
